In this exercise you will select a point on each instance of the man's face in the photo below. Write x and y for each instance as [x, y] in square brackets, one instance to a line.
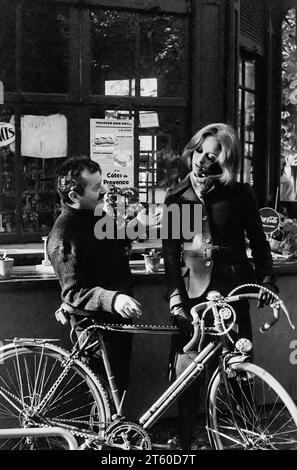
[205, 158]
[94, 191]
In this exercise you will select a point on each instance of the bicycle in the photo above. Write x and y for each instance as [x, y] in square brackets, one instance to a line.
[43, 385]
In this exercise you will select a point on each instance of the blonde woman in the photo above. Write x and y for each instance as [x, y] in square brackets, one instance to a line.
[215, 259]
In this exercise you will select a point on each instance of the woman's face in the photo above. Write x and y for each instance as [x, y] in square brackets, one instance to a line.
[205, 156]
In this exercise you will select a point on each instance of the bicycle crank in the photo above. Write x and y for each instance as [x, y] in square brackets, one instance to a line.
[127, 435]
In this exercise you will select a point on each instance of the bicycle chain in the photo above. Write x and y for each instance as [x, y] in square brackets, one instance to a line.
[13, 396]
[50, 393]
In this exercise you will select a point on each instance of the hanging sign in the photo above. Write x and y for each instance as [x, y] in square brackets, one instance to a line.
[270, 219]
[7, 133]
[112, 146]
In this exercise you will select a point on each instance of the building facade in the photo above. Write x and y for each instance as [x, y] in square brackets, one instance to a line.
[166, 66]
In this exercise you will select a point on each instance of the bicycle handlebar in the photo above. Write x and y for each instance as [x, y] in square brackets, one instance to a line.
[204, 306]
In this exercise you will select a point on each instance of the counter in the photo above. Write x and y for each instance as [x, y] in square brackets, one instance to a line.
[30, 298]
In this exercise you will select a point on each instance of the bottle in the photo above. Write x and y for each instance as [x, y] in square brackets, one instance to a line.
[276, 239]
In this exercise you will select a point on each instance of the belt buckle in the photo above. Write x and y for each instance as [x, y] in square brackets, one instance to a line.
[207, 253]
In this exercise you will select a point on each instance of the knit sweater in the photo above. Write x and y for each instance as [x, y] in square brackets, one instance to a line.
[91, 272]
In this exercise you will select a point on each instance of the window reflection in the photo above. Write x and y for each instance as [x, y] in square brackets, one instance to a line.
[160, 137]
[7, 173]
[45, 46]
[250, 74]
[7, 45]
[113, 36]
[247, 106]
[125, 46]
[163, 52]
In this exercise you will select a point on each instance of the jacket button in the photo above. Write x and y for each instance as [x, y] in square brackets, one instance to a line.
[207, 240]
[208, 264]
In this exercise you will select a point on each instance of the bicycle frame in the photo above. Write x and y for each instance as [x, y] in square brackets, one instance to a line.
[177, 387]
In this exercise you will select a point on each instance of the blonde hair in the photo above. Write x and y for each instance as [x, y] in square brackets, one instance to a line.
[229, 156]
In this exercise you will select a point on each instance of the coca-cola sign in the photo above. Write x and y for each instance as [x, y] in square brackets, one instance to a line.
[270, 219]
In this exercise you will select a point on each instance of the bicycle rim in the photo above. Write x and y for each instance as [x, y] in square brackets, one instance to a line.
[256, 414]
[74, 400]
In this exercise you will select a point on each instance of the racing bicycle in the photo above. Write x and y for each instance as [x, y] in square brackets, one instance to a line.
[43, 385]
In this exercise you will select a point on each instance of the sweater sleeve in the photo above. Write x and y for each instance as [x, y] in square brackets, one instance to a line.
[66, 259]
[259, 245]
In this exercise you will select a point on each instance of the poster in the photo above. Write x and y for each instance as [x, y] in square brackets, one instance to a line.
[44, 136]
[112, 146]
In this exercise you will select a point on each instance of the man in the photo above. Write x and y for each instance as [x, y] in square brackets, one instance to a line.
[94, 274]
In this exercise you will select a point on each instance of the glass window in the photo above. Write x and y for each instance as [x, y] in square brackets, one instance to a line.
[41, 155]
[250, 74]
[113, 36]
[163, 53]
[138, 54]
[159, 141]
[7, 44]
[247, 107]
[45, 48]
[7, 173]
[160, 147]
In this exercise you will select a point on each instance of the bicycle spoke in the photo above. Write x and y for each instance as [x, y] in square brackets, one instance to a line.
[39, 387]
[250, 413]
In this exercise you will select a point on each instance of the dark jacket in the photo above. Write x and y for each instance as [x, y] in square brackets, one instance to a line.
[90, 271]
[228, 214]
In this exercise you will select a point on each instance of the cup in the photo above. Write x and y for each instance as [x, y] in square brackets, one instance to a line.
[151, 263]
[6, 266]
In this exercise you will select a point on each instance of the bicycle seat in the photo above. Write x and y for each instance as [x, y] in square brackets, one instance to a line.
[65, 310]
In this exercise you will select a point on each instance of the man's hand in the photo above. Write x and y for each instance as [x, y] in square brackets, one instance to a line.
[152, 219]
[265, 297]
[182, 320]
[127, 307]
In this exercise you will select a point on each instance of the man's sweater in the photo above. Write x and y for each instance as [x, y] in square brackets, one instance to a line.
[91, 272]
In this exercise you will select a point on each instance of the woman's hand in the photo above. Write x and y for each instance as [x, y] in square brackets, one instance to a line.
[265, 297]
[182, 320]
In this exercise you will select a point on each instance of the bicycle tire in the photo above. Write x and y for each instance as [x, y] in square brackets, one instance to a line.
[246, 418]
[28, 371]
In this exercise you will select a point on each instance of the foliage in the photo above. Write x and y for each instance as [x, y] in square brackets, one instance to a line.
[289, 88]
[289, 242]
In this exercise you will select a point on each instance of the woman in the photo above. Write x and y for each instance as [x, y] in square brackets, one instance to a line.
[215, 259]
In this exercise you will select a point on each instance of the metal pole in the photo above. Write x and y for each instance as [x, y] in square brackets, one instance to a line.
[41, 432]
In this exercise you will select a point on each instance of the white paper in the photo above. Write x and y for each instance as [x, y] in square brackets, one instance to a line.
[44, 136]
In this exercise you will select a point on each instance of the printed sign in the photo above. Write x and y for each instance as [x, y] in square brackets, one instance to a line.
[270, 219]
[7, 133]
[112, 146]
[44, 136]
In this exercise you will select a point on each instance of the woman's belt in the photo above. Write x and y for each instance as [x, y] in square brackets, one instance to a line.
[208, 251]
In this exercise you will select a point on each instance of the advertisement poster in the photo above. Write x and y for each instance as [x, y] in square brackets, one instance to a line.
[112, 146]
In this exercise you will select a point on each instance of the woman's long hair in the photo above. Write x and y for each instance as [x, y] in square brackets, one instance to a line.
[229, 156]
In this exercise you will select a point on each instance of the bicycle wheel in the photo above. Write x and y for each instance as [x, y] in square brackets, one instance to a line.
[256, 413]
[38, 389]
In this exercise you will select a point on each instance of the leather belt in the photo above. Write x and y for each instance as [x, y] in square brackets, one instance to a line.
[205, 252]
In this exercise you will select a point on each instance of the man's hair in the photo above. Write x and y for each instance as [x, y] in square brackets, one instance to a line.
[229, 156]
[69, 176]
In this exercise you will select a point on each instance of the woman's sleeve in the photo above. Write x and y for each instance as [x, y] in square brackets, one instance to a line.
[260, 247]
[176, 293]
